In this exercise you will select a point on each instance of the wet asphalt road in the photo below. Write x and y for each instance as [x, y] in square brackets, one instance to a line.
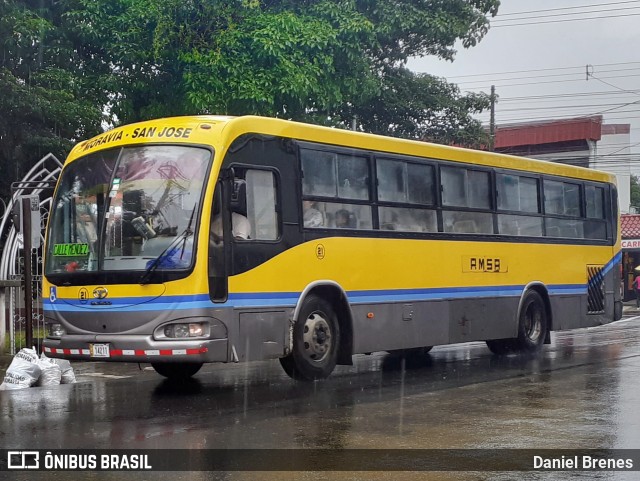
[582, 392]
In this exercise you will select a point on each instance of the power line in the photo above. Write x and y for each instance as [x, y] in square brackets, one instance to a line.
[560, 116]
[535, 81]
[580, 67]
[567, 20]
[590, 75]
[621, 108]
[563, 14]
[552, 97]
[584, 106]
[497, 84]
[571, 8]
[625, 147]
[580, 73]
[570, 112]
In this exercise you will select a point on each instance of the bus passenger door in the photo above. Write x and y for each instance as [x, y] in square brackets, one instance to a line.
[264, 191]
[254, 217]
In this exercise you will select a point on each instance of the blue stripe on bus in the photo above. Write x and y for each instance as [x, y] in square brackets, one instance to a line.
[290, 299]
[609, 265]
[363, 297]
[596, 280]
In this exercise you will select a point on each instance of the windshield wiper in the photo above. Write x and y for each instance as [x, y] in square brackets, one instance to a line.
[182, 237]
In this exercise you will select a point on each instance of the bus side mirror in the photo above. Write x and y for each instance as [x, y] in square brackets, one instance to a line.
[27, 205]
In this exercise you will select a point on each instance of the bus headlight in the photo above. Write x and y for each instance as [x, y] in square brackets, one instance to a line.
[55, 330]
[184, 331]
[191, 328]
[196, 330]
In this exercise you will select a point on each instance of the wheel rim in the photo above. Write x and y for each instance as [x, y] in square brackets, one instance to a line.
[533, 323]
[316, 337]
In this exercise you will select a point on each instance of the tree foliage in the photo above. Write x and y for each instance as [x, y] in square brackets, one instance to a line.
[71, 66]
[48, 94]
[422, 107]
[635, 191]
[315, 60]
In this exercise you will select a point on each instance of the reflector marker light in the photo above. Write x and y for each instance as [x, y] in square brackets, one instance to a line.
[130, 352]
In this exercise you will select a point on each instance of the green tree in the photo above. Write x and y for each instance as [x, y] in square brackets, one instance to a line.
[422, 107]
[48, 94]
[316, 60]
[71, 67]
[635, 191]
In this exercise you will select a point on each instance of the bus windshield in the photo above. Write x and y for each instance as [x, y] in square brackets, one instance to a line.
[122, 209]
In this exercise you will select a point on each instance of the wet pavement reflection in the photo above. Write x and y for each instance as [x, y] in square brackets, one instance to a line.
[582, 392]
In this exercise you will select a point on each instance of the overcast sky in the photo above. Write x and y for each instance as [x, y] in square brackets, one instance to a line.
[549, 60]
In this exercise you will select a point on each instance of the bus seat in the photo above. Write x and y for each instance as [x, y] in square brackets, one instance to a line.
[553, 231]
[465, 226]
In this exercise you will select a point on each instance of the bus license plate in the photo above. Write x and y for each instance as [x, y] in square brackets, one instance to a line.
[99, 350]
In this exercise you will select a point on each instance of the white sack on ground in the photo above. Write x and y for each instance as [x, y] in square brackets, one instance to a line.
[68, 376]
[50, 374]
[23, 371]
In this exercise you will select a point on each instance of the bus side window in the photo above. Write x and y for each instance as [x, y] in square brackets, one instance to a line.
[240, 225]
[261, 201]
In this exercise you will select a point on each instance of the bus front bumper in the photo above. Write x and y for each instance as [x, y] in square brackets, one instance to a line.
[128, 348]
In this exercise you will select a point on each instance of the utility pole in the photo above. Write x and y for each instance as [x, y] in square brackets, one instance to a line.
[28, 277]
[492, 118]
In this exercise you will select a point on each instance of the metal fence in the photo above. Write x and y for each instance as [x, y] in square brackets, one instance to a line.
[39, 181]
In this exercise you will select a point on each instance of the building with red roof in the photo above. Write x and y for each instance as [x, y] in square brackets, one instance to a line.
[583, 141]
[586, 142]
[630, 233]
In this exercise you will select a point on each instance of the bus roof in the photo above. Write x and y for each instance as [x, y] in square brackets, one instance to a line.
[220, 131]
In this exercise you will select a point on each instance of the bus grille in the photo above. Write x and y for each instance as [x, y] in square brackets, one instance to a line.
[595, 290]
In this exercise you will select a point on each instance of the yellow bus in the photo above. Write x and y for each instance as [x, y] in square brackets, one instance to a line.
[199, 239]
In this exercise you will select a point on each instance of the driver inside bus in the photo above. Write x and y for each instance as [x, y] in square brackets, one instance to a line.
[240, 226]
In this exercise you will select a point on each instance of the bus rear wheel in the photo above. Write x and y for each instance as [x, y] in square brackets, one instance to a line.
[316, 338]
[177, 371]
[533, 325]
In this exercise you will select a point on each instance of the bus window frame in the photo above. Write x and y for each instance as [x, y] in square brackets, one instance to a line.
[371, 188]
[232, 167]
[375, 203]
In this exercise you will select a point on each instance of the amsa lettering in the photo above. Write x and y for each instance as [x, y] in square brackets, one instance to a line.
[483, 264]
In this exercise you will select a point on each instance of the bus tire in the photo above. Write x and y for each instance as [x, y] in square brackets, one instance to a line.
[178, 370]
[316, 339]
[501, 346]
[533, 325]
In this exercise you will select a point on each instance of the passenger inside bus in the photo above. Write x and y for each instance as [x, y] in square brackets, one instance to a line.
[312, 217]
[345, 219]
[240, 225]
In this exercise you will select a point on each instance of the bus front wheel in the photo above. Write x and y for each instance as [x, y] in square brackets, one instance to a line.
[316, 338]
[533, 324]
[177, 371]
